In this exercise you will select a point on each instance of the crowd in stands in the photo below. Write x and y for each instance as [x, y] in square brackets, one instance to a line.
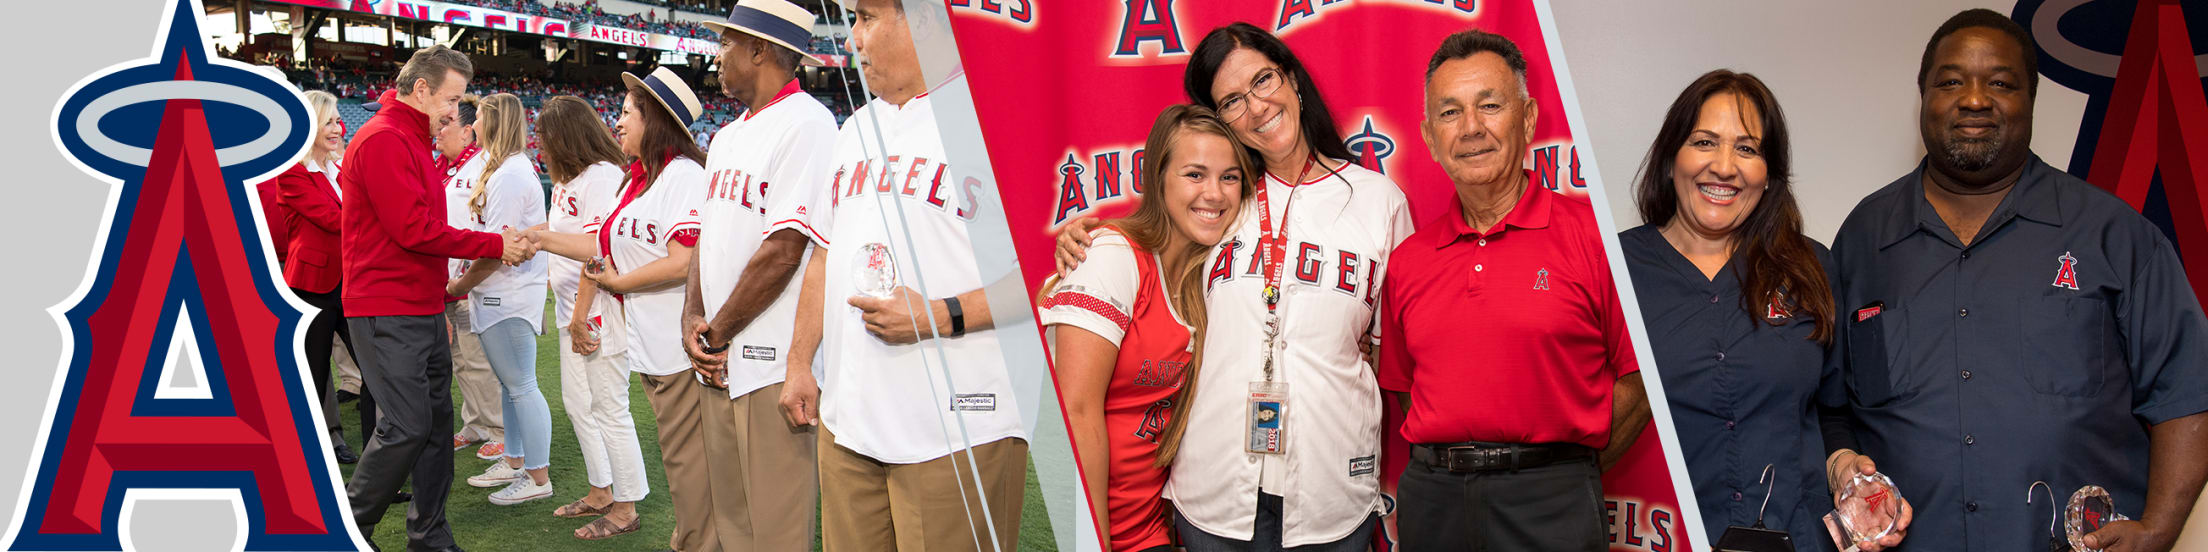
[588, 11]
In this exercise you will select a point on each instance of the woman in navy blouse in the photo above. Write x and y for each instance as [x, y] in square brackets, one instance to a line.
[1739, 310]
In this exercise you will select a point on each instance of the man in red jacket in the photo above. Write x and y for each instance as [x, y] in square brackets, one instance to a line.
[396, 243]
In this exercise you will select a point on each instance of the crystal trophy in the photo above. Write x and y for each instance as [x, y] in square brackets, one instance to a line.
[1868, 508]
[2090, 510]
[876, 271]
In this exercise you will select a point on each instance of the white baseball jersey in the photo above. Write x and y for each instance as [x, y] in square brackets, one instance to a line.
[459, 183]
[763, 169]
[514, 200]
[1340, 227]
[893, 403]
[578, 206]
[639, 230]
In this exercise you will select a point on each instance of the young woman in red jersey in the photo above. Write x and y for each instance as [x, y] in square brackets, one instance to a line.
[1124, 323]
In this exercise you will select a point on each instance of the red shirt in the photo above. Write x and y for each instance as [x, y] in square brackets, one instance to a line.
[1138, 403]
[394, 231]
[1513, 336]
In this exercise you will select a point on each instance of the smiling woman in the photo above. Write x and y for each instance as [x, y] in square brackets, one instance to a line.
[1746, 370]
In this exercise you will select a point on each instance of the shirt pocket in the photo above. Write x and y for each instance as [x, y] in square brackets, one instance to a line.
[2065, 343]
[314, 257]
[1872, 344]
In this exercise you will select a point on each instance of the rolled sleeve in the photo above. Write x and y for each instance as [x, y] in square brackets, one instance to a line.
[2164, 335]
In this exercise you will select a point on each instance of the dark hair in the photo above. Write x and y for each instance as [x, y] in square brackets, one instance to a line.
[1466, 43]
[464, 112]
[572, 138]
[663, 135]
[1770, 254]
[1317, 122]
[1987, 19]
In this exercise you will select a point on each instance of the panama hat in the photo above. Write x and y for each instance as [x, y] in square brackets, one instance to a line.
[777, 21]
[672, 93]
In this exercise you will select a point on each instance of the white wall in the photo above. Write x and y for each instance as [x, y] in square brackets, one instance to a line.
[1844, 73]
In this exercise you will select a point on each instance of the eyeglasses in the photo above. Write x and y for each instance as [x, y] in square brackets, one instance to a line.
[1263, 85]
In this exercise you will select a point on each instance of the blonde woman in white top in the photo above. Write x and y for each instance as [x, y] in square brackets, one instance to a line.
[506, 303]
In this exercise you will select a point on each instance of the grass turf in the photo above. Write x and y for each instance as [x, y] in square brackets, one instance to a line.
[479, 525]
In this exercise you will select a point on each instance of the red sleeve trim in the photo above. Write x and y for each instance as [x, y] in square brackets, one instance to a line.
[1085, 302]
[688, 237]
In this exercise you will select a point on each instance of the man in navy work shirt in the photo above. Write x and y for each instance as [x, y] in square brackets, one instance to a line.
[2005, 323]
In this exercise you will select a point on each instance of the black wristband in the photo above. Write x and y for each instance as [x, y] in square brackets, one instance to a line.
[712, 350]
[958, 316]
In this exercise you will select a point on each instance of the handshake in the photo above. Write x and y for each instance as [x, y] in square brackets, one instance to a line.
[520, 246]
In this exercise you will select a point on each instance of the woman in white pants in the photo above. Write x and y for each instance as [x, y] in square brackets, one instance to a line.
[584, 163]
[505, 303]
[641, 256]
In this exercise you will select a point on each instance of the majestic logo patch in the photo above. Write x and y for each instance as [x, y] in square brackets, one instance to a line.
[755, 352]
[977, 402]
[1362, 465]
[181, 247]
[2067, 275]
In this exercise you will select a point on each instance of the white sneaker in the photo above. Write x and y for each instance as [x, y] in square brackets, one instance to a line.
[522, 491]
[498, 474]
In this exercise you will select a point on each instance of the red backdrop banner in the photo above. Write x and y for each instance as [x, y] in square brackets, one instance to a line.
[1066, 93]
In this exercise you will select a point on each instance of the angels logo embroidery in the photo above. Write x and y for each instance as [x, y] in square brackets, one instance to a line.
[2067, 276]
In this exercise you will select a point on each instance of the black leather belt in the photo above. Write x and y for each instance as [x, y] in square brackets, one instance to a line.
[1486, 457]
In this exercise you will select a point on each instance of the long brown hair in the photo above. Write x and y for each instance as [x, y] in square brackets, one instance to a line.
[663, 134]
[503, 126]
[572, 138]
[1770, 254]
[1150, 228]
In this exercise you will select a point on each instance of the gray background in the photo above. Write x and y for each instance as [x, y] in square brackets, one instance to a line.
[56, 222]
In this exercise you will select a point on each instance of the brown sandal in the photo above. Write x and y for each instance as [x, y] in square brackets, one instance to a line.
[604, 528]
[581, 509]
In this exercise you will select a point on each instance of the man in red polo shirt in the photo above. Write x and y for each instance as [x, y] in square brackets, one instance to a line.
[1513, 412]
[396, 242]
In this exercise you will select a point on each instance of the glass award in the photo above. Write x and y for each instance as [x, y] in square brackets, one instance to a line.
[2090, 509]
[1868, 508]
[875, 271]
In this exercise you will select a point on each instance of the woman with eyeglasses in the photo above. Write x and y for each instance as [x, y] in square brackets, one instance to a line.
[1282, 439]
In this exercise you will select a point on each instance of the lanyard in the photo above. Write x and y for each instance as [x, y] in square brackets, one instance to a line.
[1273, 251]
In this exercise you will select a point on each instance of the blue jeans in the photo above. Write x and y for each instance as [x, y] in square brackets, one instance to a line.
[511, 346]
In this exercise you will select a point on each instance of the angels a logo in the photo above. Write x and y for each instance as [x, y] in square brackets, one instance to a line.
[2066, 276]
[180, 285]
[1112, 174]
[2146, 122]
[1148, 21]
[1371, 147]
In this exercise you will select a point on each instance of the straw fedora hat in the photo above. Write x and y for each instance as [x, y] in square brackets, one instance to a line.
[778, 21]
[672, 93]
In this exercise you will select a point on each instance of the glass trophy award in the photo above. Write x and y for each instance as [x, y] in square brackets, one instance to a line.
[2090, 509]
[875, 271]
[1868, 508]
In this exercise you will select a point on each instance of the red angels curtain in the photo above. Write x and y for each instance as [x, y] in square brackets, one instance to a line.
[1066, 92]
